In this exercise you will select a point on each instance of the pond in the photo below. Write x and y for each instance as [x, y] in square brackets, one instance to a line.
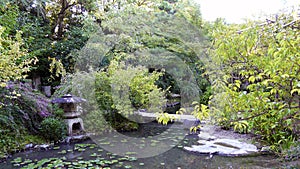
[87, 154]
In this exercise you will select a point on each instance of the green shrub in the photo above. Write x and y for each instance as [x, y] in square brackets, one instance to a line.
[53, 129]
[256, 82]
[57, 111]
[21, 111]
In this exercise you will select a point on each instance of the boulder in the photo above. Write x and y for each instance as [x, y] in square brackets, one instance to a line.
[225, 147]
[42, 147]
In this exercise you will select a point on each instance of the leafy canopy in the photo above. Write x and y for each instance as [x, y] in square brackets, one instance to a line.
[256, 78]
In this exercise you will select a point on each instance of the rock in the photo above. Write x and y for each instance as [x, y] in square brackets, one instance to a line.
[265, 149]
[206, 136]
[236, 144]
[28, 146]
[142, 110]
[42, 147]
[226, 147]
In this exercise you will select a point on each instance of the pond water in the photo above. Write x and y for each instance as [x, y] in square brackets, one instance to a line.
[87, 154]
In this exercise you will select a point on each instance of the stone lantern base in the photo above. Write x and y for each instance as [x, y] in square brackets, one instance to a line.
[71, 122]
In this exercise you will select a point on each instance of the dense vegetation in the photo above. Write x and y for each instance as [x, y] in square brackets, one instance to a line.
[256, 73]
[127, 55]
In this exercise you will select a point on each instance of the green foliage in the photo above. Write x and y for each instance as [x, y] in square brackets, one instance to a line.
[95, 122]
[114, 91]
[53, 129]
[240, 126]
[21, 112]
[9, 15]
[38, 20]
[12, 142]
[56, 111]
[14, 62]
[200, 111]
[103, 92]
[155, 38]
[142, 87]
[256, 78]
[164, 118]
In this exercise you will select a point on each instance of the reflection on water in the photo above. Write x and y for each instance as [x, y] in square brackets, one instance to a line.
[89, 155]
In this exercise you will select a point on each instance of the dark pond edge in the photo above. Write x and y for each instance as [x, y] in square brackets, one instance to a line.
[47, 146]
[253, 154]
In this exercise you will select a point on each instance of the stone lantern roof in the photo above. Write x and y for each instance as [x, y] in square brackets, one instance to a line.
[68, 98]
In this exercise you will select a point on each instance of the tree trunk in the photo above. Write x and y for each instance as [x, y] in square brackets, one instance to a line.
[59, 26]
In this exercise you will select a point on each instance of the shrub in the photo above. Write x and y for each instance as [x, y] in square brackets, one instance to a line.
[21, 112]
[53, 129]
[256, 81]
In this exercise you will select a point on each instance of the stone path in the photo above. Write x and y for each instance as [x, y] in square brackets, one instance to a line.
[213, 140]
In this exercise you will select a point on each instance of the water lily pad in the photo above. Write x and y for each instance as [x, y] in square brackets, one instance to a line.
[67, 163]
[124, 141]
[16, 165]
[130, 153]
[17, 160]
[153, 144]
[115, 161]
[26, 161]
[56, 148]
[93, 155]
[62, 152]
[132, 159]
[105, 143]
[107, 162]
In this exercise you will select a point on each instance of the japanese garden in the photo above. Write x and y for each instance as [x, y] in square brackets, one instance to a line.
[146, 84]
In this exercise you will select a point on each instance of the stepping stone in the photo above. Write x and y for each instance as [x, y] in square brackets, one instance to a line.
[225, 147]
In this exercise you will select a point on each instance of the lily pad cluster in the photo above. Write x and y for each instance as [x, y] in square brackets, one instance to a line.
[94, 161]
[90, 155]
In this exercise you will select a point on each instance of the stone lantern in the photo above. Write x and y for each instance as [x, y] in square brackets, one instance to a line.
[71, 114]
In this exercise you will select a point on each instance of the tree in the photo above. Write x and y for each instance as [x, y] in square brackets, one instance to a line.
[14, 62]
[133, 45]
[51, 30]
[256, 69]
[151, 34]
